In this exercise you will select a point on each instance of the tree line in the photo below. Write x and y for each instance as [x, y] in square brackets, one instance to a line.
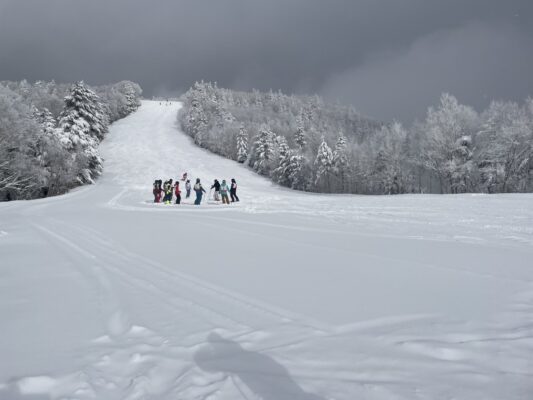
[307, 144]
[49, 134]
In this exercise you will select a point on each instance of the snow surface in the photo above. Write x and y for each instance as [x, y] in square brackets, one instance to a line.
[285, 295]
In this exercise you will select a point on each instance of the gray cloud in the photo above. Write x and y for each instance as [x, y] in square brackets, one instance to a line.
[477, 63]
[299, 46]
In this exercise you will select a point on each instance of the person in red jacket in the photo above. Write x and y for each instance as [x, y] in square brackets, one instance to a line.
[158, 191]
[177, 192]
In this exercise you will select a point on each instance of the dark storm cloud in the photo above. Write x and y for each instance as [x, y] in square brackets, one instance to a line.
[390, 58]
[477, 63]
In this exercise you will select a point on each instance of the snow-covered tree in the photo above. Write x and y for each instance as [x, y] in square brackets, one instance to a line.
[120, 99]
[324, 166]
[340, 163]
[299, 135]
[242, 145]
[83, 103]
[263, 151]
[506, 147]
[131, 93]
[445, 126]
[461, 166]
[282, 172]
[84, 122]
[388, 175]
[443, 153]
[298, 172]
[37, 157]
[21, 172]
[47, 123]
[46, 120]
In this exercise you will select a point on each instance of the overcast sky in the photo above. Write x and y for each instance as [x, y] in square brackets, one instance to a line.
[389, 58]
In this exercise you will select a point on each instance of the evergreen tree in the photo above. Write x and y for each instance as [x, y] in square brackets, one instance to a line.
[242, 145]
[324, 166]
[84, 123]
[83, 103]
[299, 136]
[282, 173]
[263, 151]
[340, 163]
[297, 171]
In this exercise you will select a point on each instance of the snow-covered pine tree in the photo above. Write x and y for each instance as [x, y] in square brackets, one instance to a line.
[324, 166]
[299, 135]
[197, 123]
[297, 172]
[242, 145]
[132, 99]
[86, 104]
[263, 151]
[84, 122]
[340, 163]
[282, 173]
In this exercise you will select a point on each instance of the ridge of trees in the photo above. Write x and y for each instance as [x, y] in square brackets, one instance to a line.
[304, 143]
[49, 134]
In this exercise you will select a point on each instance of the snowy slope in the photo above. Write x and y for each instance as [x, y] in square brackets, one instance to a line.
[285, 295]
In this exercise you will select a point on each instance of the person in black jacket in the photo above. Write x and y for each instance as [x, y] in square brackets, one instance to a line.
[233, 191]
[216, 186]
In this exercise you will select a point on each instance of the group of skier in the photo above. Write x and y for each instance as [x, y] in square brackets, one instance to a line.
[165, 191]
[222, 190]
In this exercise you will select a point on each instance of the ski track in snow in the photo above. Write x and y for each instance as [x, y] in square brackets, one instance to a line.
[284, 295]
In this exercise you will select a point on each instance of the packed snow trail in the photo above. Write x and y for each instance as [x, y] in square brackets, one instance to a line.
[284, 295]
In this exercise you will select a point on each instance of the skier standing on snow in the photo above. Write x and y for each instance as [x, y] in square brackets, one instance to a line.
[216, 186]
[168, 192]
[188, 188]
[157, 191]
[224, 189]
[233, 191]
[177, 192]
[199, 190]
[164, 188]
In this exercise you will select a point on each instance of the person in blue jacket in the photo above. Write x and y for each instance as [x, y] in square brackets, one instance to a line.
[199, 190]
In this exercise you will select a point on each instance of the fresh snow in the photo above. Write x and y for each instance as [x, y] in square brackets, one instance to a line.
[285, 295]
